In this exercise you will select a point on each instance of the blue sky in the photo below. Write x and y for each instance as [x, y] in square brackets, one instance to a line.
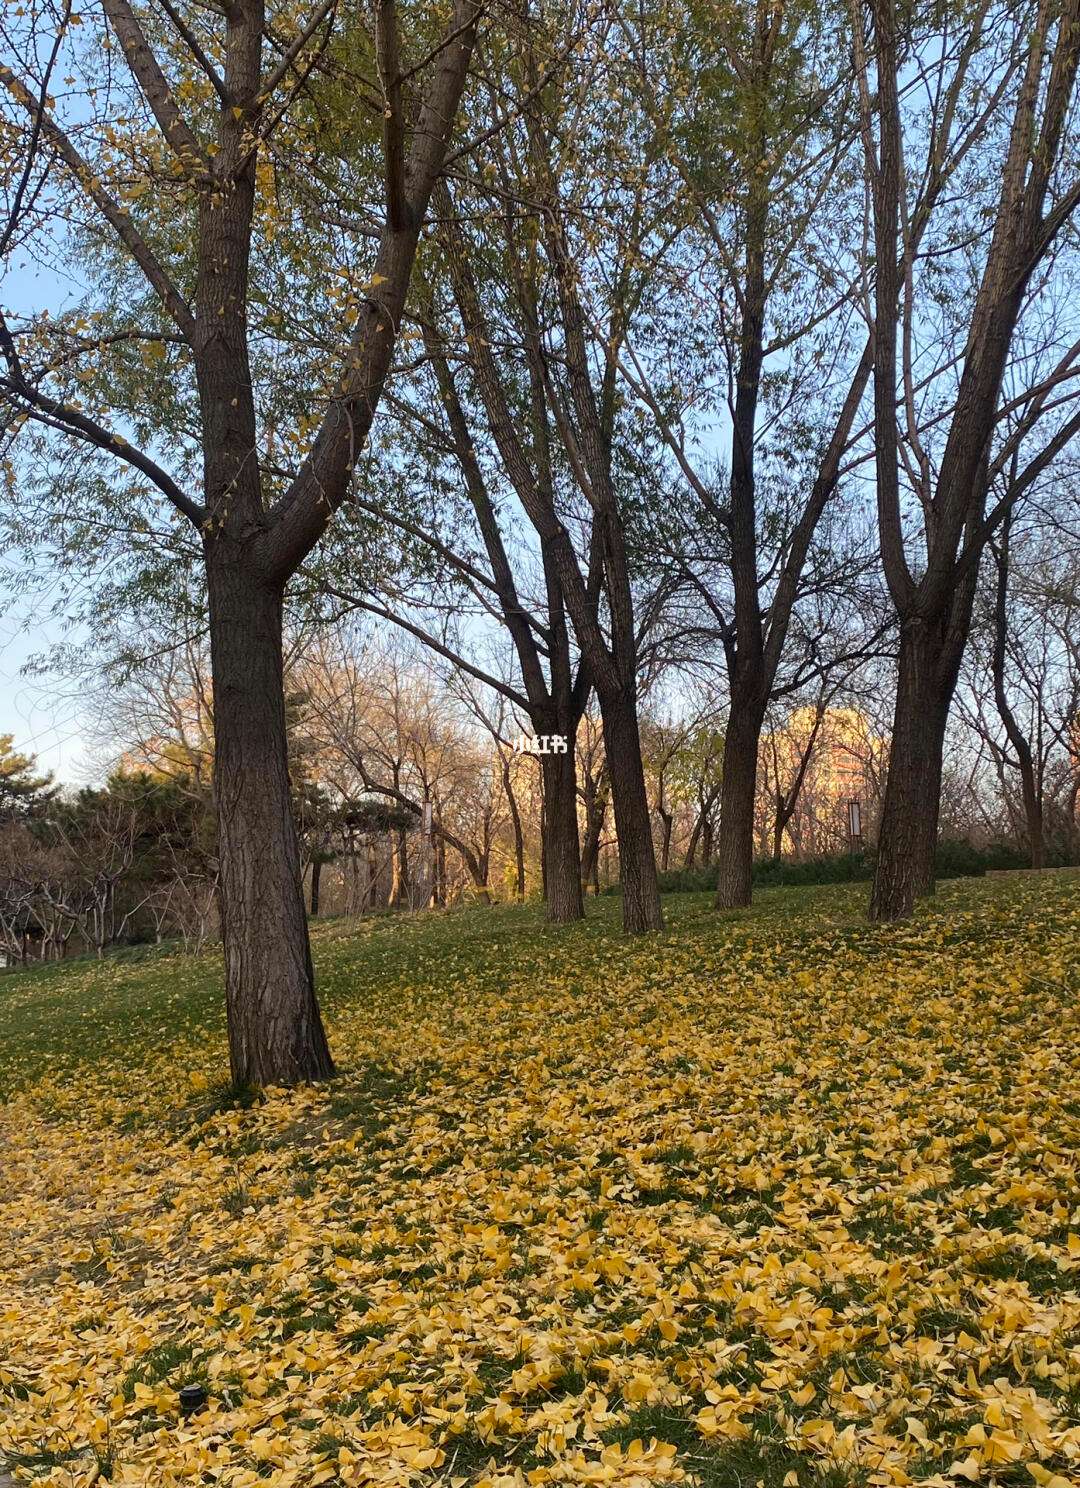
[44, 717]
[42, 714]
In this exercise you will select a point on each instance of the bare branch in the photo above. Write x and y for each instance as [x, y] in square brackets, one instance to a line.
[193, 46]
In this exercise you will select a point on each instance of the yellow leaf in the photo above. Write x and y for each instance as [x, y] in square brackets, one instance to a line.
[969, 1469]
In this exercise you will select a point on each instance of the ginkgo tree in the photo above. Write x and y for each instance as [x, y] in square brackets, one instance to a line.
[179, 156]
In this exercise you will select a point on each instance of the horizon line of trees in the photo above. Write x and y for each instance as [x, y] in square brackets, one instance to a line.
[378, 738]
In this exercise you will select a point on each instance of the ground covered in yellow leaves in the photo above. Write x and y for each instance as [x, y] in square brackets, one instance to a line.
[775, 1199]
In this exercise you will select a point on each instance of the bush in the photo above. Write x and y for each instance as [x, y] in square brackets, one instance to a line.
[956, 858]
[1000, 855]
[837, 868]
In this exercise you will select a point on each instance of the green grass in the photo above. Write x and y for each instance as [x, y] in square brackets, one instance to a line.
[62, 1016]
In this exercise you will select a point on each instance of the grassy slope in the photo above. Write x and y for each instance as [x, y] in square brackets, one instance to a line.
[142, 1004]
[704, 1188]
[82, 1012]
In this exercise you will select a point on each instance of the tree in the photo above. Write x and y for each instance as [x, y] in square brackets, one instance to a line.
[705, 768]
[751, 114]
[999, 91]
[546, 346]
[1031, 784]
[496, 583]
[496, 722]
[595, 795]
[21, 791]
[210, 111]
[382, 727]
[1020, 687]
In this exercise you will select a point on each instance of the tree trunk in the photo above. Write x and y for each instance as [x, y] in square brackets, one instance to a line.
[371, 886]
[1033, 812]
[275, 1031]
[1025, 758]
[633, 824]
[909, 820]
[692, 845]
[561, 850]
[595, 812]
[316, 877]
[780, 822]
[666, 822]
[399, 882]
[519, 835]
[701, 834]
[735, 850]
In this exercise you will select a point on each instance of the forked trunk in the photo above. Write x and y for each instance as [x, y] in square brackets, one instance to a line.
[561, 852]
[735, 835]
[275, 1032]
[909, 820]
[633, 825]
[1029, 791]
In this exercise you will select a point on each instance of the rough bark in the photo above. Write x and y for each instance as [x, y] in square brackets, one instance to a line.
[253, 546]
[633, 827]
[934, 601]
[562, 862]
[909, 820]
[275, 1031]
[735, 844]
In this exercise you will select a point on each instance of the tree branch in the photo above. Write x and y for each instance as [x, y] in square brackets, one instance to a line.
[114, 214]
[387, 57]
[63, 415]
[148, 74]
